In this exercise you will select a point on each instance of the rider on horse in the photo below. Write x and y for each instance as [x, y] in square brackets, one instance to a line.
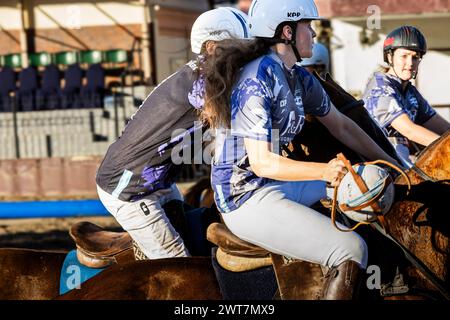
[137, 175]
[265, 198]
[319, 62]
[395, 103]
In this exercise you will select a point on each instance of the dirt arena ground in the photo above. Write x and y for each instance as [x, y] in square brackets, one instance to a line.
[50, 233]
[46, 233]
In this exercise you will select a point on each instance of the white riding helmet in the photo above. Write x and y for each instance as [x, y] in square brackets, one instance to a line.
[380, 185]
[266, 15]
[320, 56]
[218, 24]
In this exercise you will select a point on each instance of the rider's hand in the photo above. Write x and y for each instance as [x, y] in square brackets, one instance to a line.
[334, 172]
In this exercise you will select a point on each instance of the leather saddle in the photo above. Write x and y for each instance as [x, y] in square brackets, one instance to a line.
[98, 248]
[235, 254]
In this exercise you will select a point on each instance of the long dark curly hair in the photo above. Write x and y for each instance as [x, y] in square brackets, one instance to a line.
[221, 71]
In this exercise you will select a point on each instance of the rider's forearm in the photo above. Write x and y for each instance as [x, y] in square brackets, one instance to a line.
[267, 164]
[279, 168]
[416, 133]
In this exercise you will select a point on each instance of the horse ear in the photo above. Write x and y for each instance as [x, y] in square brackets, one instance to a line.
[325, 84]
[317, 75]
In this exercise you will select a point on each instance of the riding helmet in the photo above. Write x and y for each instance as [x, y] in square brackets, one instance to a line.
[407, 37]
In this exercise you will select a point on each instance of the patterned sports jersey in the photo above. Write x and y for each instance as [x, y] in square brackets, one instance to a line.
[268, 103]
[385, 100]
[139, 162]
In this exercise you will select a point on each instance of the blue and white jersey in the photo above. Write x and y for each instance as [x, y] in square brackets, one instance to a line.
[268, 103]
[385, 100]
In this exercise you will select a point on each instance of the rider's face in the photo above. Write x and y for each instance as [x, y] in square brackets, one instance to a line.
[305, 36]
[405, 63]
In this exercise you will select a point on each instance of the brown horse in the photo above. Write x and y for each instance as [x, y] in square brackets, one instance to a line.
[416, 221]
[426, 238]
[413, 221]
[35, 275]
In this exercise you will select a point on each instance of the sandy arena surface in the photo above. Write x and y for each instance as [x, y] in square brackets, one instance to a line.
[46, 233]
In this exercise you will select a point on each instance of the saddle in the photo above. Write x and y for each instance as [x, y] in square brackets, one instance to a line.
[98, 248]
[234, 254]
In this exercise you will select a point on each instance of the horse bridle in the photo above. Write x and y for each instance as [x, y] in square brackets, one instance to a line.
[422, 174]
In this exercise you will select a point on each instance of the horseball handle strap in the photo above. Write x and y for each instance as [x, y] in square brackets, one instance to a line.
[363, 188]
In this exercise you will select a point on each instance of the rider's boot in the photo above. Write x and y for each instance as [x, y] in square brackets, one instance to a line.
[342, 282]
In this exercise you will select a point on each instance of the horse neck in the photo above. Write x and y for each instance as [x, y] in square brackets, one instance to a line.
[419, 223]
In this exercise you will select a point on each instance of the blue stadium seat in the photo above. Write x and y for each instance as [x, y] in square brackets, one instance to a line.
[28, 87]
[73, 77]
[92, 94]
[7, 85]
[51, 88]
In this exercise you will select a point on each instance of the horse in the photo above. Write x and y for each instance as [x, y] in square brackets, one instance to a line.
[193, 278]
[426, 238]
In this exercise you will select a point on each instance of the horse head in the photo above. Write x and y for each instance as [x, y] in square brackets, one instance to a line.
[434, 160]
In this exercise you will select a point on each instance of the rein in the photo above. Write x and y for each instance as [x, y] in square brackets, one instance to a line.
[422, 174]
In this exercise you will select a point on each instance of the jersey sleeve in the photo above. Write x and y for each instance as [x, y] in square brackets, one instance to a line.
[383, 104]
[316, 101]
[425, 112]
[251, 110]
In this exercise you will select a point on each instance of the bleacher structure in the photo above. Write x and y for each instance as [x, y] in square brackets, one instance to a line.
[64, 133]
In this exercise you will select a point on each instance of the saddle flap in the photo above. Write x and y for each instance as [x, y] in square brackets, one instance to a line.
[221, 236]
[97, 242]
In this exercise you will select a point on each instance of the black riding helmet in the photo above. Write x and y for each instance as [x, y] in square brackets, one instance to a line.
[407, 37]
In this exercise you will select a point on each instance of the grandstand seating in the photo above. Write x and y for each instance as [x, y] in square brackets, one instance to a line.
[8, 85]
[39, 86]
[28, 89]
[51, 88]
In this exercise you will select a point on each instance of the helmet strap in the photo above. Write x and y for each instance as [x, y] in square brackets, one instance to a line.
[297, 54]
[293, 43]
